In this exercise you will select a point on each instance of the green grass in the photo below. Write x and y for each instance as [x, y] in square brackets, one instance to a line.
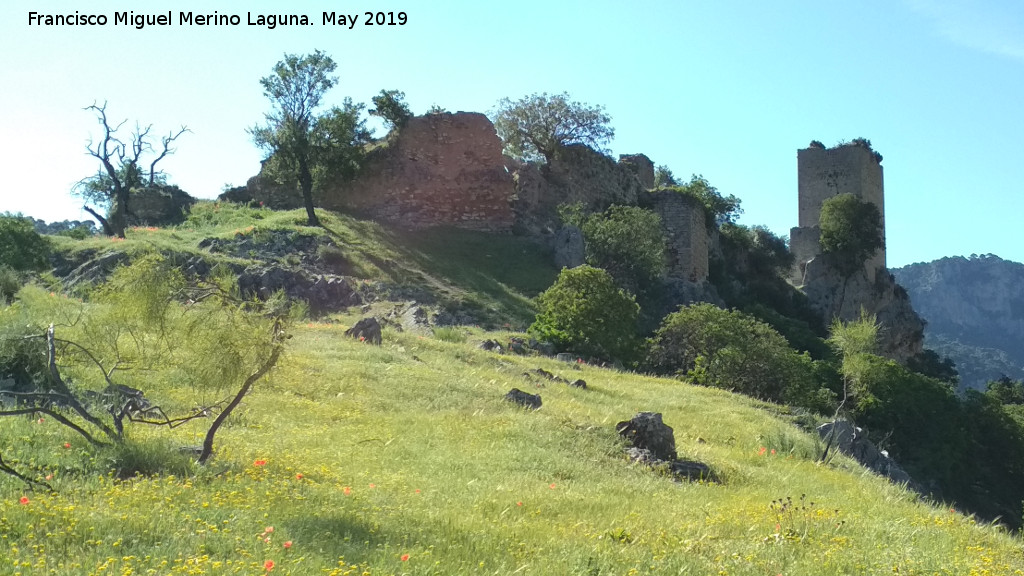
[490, 277]
[367, 454]
[409, 449]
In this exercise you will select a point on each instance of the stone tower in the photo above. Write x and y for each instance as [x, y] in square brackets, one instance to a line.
[822, 174]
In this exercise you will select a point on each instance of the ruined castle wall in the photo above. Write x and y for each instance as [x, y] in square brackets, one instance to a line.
[684, 224]
[642, 166]
[824, 173]
[442, 169]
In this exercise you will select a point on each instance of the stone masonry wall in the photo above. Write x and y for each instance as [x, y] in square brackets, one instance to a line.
[824, 173]
[443, 169]
[683, 221]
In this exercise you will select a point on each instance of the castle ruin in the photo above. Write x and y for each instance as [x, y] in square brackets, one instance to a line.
[822, 174]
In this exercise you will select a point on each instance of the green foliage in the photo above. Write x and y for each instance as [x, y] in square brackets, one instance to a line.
[851, 231]
[930, 364]
[449, 334]
[1006, 391]
[21, 247]
[586, 313]
[10, 282]
[628, 242]
[390, 106]
[145, 457]
[305, 148]
[732, 350]
[718, 209]
[536, 126]
[663, 177]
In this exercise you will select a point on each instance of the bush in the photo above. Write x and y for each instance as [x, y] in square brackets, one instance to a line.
[731, 350]
[21, 247]
[627, 241]
[585, 312]
[10, 282]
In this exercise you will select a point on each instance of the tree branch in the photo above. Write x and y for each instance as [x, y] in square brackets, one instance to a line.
[246, 386]
[62, 388]
[4, 467]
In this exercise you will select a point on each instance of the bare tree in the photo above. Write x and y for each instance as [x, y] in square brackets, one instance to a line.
[121, 169]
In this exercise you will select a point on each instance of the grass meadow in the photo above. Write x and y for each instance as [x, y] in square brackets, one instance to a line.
[404, 459]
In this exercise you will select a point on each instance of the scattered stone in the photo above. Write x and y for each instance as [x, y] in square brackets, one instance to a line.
[579, 383]
[654, 445]
[491, 346]
[523, 398]
[517, 346]
[647, 431]
[367, 329]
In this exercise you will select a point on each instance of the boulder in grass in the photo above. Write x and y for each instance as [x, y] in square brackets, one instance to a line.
[524, 398]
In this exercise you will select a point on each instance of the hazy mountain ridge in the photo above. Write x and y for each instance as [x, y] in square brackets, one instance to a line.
[975, 313]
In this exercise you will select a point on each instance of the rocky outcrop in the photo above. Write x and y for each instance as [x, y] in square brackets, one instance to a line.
[366, 330]
[852, 441]
[158, 206]
[323, 292]
[830, 294]
[570, 250]
[975, 313]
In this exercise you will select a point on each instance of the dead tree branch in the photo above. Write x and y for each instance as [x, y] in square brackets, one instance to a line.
[7, 469]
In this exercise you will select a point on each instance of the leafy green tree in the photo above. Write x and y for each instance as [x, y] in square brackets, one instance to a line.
[536, 126]
[627, 241]
[21, 247]
[851, 231]
[302, 144]
[663, 177]
[586, 313]
[390, 106]
[732, 350]
[123, 169]
[719, 209]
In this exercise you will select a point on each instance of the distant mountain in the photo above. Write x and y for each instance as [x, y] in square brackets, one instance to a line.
[975, 313]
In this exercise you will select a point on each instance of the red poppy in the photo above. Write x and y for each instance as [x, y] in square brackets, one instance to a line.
[347, 490]
[552, 486]
[288, 544]
[299, 476]
[762, 451]
[268, 565]
[23, 501]
[773, 451]
[519, 503]
[258, 463]
[268, 529]
[67, 445]
[373, 485]
[417, 490]
[405, 558]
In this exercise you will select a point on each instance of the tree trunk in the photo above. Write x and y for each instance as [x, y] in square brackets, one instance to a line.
[208, 441]
[306, 181]
[103, 221]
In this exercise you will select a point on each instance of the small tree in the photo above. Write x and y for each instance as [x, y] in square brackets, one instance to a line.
[851, 231]
[627, 241]
[586, 313]
[122, 170]
[390, 106]
[664, 177]
[21, 247]
[300, 143]
[719, 209]
[536, 126]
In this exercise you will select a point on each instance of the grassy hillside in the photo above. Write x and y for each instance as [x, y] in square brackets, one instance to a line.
[404, 459]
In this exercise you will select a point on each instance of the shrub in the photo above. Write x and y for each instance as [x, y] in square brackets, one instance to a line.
[585, 312]
[449, 334]
[10, 282]
[731, 350]
[21, 247]
[627, 241]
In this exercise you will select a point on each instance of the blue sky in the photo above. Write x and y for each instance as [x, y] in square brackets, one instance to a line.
[725, 89]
